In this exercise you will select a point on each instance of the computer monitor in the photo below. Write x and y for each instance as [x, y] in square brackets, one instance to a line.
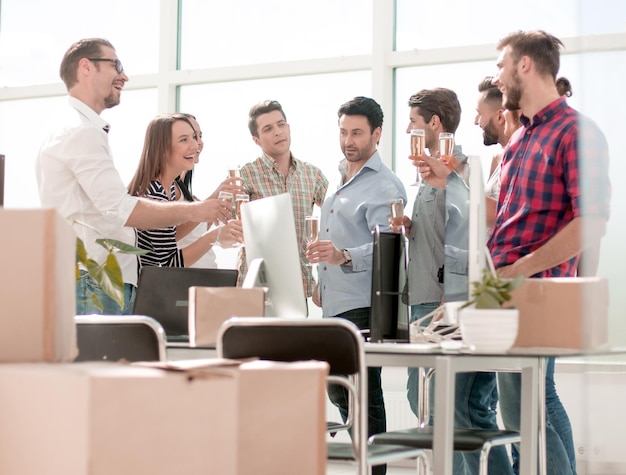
[389, 320]
[477, 221]
[273, 256]
[468, 203]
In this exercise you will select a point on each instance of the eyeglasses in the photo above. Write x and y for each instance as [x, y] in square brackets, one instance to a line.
[118, 64]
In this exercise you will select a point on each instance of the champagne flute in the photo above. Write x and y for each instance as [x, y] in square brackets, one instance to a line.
[235, 172]
[227, 197]
[397, 213]
[240, 198]
[311, 231]
[418, 141]
[446, 146]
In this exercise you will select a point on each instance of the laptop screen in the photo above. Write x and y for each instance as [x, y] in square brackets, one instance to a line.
[163, 294]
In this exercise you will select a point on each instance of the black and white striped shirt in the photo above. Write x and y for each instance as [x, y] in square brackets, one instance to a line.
[160, 242]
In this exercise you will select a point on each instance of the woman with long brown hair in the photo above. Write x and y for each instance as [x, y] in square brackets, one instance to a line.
[170, 148]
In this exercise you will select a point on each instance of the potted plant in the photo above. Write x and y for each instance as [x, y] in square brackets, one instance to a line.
[486, 324]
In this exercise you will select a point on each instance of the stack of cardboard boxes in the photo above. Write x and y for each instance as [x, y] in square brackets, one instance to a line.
[104, 418]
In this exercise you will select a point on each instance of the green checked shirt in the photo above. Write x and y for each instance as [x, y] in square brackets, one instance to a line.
[305, 183]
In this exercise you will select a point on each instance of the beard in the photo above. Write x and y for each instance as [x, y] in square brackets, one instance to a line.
[111, 100]
[490, 134]
[513, 94]
[356, 155]
[359, 154]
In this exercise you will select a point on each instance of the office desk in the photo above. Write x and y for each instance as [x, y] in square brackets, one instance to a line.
[447, 364]
[530, 362]
[182, 351]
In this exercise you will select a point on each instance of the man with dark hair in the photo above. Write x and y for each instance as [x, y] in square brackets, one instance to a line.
[352, 209]
[491, 118]
[489, 112]
[277, 171]
[438, 261]
[553, 202]
[76, 174]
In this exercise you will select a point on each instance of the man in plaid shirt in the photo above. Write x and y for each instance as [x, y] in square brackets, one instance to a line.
[277, 171]
[555, 191]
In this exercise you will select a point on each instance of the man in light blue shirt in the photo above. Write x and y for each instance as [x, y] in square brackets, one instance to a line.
[353, 207]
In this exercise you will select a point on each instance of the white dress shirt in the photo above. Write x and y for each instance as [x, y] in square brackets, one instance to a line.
[77, 177]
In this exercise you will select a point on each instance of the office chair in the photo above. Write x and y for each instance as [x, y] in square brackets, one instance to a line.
[464, 440]
[334, 340]
[117, 337]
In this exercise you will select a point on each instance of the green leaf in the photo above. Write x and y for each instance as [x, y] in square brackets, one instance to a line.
[113, 245]
[81, 252]
[95, 300]
[487, 300]
[109, 277]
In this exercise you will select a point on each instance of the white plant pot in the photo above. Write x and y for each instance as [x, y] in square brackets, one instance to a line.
[489, 330]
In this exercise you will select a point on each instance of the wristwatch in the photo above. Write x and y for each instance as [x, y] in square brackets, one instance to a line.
[347, 258]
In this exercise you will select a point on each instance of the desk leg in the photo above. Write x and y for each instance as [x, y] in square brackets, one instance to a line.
[529, 419]
[445, 381]
[541, 385]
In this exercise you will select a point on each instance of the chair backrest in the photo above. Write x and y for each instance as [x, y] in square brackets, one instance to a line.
[163, 294]
[334, 340]
[116, 337]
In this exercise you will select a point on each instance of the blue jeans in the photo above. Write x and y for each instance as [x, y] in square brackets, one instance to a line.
[86, 288]
[561, 457]
[476, 399]
[377, 418]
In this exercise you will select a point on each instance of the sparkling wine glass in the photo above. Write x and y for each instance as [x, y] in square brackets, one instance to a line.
[235, 172]
[397, 213]
[311, 231]
[228, 198]
[418, 141]
[446, 146]
[240, 199]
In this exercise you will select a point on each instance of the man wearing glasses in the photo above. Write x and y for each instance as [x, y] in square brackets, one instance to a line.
[77, 177]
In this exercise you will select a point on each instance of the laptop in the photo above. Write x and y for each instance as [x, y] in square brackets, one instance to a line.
[163, 294]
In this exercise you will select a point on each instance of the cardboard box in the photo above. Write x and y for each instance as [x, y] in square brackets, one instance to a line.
[282, 422]
[37, 287]
[105, 418]
[209, 307]
[562, 312]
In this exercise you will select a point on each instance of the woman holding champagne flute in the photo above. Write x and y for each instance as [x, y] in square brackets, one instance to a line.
[189, 233]
[171, 148]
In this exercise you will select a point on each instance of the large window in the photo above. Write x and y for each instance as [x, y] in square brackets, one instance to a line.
[217, 33]
[35, 34]
[24, 124]
[310, 104]
[422, 24]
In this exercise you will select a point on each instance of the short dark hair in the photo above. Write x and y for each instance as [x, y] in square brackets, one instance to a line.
[366, 106]
[441, 102]
[543, 48]
[493, 93]
[261, 108]
[85, 48]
